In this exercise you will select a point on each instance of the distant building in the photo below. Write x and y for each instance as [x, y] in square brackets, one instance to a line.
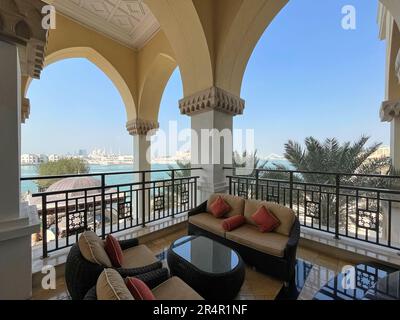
[382, 152]
[54, 158]
[30, 159]
[82, 153]
[43, 158]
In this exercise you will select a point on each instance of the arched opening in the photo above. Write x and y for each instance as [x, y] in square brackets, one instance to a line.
[174, 127]
[308, 76]
[76, 111]
[313, 88]
[104, 65]
[156, 79]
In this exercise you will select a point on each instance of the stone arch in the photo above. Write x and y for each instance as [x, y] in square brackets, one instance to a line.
[241, 35]
[393, 6]
[183, 27]
[103, 64]
[392, 82]
[153, 86]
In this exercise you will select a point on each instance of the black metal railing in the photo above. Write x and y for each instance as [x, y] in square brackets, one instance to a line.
[357, 206]
[109, 208]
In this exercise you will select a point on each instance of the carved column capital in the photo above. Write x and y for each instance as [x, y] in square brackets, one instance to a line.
[25, 109]
[21, 24]
[140, 127]
[390, 110]
[213, 98]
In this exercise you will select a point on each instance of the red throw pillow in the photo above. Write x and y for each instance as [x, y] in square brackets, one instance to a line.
[139, 290]
[265, 220]
[233, 223]
[114, 251]
[219, 208]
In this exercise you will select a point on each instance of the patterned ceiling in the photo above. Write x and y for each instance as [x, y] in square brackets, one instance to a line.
[128, 21]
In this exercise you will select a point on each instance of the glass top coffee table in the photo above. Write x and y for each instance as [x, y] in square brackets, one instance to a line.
[214, 270]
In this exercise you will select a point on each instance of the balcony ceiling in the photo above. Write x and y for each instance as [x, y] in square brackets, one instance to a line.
[127, 21]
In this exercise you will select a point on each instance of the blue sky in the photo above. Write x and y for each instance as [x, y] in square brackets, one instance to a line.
[306, 77]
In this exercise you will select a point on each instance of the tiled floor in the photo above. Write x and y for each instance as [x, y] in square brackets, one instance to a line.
[257, 286]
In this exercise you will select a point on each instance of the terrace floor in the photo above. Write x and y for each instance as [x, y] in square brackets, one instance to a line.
[314, 271]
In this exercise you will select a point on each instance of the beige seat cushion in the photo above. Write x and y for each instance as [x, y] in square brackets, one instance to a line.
[285, 215]
[139, 256]
[92, 249]
[111, 286]
[175, 289]
[209, 223]
[271, 243]
[236, 203]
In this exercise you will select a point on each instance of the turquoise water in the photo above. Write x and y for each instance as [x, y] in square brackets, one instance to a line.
[31, 171]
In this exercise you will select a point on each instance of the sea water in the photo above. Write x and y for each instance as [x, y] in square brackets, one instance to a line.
[32, 171]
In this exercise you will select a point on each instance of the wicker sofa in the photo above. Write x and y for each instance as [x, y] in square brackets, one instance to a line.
[272, 253]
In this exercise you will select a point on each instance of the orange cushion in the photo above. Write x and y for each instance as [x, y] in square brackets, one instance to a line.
[114, 251]
[139, 290]
[219, 208]
[265, 220]
[233, 223]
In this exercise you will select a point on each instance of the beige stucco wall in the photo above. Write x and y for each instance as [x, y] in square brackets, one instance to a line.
[393, 46]
[213, 40]
[156, 62]
[140, 76]
[71, 40]
[181, 24]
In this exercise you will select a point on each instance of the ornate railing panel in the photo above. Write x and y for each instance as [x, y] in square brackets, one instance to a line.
[111, 208]
[361, 207]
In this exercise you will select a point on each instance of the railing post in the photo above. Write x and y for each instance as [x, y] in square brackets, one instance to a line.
[257, 183]
[337, 207]
[143, 199]
[173, 193]
[103, 206]
[44, 226]
[291, 189]
[195, 192]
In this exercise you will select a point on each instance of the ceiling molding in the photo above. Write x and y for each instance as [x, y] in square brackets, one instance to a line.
[129, 22]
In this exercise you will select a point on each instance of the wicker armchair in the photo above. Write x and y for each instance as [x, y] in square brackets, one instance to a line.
[152, 279]
[81, 275]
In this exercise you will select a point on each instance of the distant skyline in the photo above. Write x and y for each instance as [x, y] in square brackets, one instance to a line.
[306, 77]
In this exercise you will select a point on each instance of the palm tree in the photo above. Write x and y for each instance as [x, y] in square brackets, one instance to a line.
[250, 161]
[332, 157]
[183, 166]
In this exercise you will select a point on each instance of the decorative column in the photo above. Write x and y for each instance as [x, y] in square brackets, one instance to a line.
[141, 130]
[22, 43]
[390, 112]
[25, 109]
[212, 113]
